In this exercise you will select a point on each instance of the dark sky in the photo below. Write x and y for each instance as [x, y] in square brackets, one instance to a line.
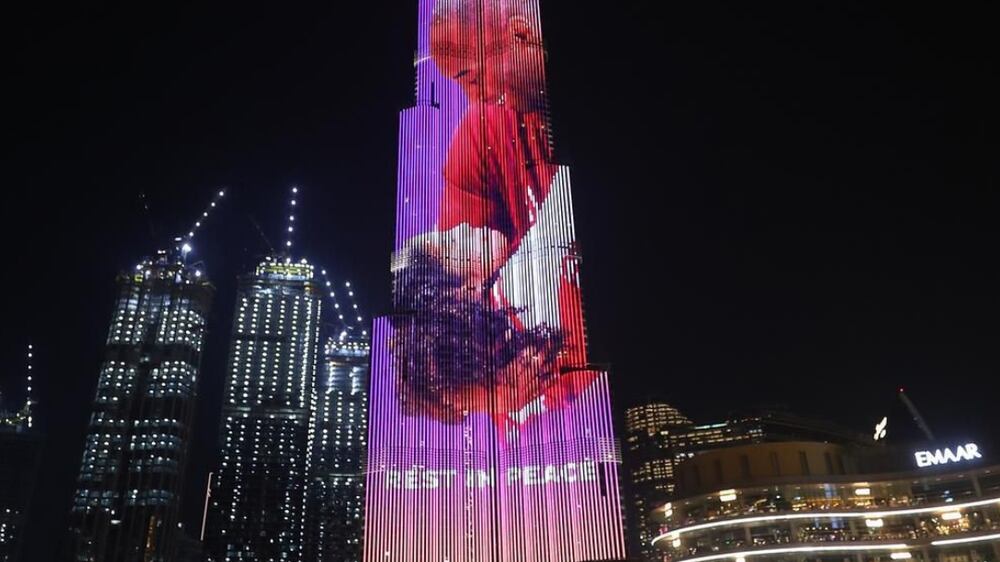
[777, 205]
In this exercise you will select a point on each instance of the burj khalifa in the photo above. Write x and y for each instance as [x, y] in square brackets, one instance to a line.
[490, 436]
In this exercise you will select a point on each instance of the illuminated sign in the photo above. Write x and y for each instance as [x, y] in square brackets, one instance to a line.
[418, 478]
[881, 429]
[490, 438]
[962, 453]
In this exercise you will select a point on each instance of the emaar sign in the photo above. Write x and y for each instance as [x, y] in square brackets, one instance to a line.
[962, 453]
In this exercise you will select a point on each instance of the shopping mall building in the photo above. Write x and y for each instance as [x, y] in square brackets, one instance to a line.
[805, 501]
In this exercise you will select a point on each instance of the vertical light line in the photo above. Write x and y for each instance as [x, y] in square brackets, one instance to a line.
[208, 496]
[28, 401]
[293, 203]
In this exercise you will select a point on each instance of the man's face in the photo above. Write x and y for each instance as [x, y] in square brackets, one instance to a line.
[459, 54]
[492, 59]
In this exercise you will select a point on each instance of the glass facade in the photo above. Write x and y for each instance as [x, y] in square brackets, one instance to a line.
[258, 497]
[649, 466]
[132, 472]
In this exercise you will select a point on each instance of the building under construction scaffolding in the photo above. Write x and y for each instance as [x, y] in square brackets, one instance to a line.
[134, 459]
[127, 500]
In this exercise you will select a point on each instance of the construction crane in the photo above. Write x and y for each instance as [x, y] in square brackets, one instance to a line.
[22, 420]
[348, 316]
[917, 418]
[183, 244]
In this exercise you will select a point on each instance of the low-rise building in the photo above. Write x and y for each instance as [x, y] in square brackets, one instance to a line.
[806, 501]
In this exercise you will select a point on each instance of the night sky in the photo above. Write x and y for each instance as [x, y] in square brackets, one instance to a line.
[790, 205]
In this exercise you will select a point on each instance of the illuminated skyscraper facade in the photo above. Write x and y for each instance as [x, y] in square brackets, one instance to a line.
[258, 499]
[490, 434]
[649, 466]
[335, 512]
[135, 455]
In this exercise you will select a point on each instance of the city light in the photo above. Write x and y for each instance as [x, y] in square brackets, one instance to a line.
[152, 358]
[824, 515]
[798, 550]
[966, 540]
[727, 495]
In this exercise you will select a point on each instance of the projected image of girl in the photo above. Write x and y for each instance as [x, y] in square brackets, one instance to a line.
[496, 321]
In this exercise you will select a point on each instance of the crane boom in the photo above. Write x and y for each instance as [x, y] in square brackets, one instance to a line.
[917, 418]
[183, 243]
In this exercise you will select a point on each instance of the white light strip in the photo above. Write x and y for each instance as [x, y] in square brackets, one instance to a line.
[291, 218]
[208, 495]
[796, 550]
[966, 540]
[825, 515]
[27, 401]
[204, 216]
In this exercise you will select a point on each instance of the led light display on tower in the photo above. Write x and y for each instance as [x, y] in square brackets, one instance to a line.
[490, 435]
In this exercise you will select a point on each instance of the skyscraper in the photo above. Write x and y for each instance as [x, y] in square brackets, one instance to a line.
[128, 492]
[649, 465]
[258, 498]
[490, 433]
[335, 513]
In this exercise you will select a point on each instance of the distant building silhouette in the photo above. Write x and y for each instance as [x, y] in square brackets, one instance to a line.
[20, 455]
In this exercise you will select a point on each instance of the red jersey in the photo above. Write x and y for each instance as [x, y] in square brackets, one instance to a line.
[498, 171]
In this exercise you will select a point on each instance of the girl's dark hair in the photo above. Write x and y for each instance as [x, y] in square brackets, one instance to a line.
[448, 338]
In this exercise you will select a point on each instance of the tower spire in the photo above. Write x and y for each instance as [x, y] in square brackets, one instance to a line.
[292, 205]
[483, 360]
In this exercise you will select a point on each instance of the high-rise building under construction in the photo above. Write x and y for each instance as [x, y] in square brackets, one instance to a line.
[127, 501]
[288, 486]
[258, 496]
[335, 508]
